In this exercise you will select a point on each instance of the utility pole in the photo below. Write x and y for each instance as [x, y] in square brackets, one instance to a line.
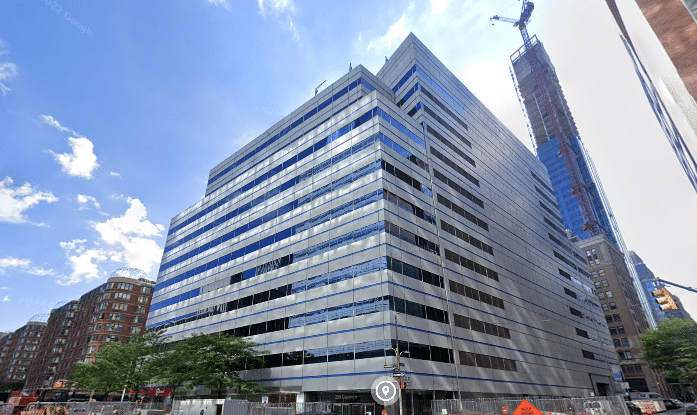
[397, 369]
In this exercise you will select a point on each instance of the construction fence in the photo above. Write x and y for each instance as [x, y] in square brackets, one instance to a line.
[602, 405]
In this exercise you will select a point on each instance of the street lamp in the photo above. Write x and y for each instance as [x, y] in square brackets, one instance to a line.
[397, 369]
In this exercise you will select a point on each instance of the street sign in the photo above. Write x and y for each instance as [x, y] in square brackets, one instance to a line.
[526, 408]
[385, 390]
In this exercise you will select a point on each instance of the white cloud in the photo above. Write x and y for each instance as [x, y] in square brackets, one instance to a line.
[127, 240]
[49, 120]
[84, 199]
[82, 162]
[221, 3]
[4, 288]
[14, 202]
[6, 299]
[114, 174]
[84, 262]
[8, 70]
[282, 11]
[395, 34]
[22, 265]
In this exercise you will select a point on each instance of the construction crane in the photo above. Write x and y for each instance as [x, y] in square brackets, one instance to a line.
[578, 188]
[694, 290]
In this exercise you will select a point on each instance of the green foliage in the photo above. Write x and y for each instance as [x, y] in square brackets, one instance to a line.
[119, 365]
[12, 386]
[672, 348]
[213, 360]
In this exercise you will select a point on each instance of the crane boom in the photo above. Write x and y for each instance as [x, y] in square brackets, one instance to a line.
[677, 285]
[578, 188]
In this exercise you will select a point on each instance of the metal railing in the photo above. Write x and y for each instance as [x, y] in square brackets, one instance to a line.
[603, 405]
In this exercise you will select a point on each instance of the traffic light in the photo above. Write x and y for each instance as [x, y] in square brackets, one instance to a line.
[664, 299]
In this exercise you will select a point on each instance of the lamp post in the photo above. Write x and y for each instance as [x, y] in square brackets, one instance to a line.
[397, 369]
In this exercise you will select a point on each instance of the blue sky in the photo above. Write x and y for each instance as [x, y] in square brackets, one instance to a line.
[113, 113]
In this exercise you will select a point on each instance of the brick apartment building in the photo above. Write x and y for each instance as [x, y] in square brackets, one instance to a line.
[18, 351]
[114, 311]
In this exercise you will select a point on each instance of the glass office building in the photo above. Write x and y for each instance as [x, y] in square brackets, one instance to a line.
[388, 207]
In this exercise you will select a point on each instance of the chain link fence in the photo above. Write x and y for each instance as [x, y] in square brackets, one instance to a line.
[83, 408]
[604, 405]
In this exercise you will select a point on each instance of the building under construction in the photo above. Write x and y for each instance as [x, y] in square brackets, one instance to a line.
[547, 141]
[585, 213]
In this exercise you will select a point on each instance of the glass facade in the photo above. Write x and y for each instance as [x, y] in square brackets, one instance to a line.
[409, 203]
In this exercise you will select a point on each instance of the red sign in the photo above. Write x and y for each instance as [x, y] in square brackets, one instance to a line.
[526, 408]
[153, 392]
[504, 410]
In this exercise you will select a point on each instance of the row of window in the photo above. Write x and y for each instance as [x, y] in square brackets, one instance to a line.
[613, 318]
[303, 254]
[290, 231]
[451, 146]
[632, 369]
[462, 212]
[481, 326]
[454, 166]
[420, 105]
[409, 207]
[412, 238]
[354, 271]
[466, 237]
[355, 309]
[461, 190]
[623, 342]
[406, 178]
[416, 69]
[447, 111]
[366, 350]
[259, 200]
[552, 225]
[547, 198]
[468, 263]
[543, 184]
[475, 294]
[293, 125]
[558, 242]
[305, 175]
[615, 330]
[487, 362]
[548, 210]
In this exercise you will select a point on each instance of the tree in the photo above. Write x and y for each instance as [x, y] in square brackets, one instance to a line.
[214, 360]
[672, 348]
[12, 386]
[130, 364]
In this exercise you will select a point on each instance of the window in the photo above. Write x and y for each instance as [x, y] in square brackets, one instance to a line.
[620, 330]
[138, 319]
[617, 342]
[135, 330]
[608, 319]
[119, 306]
[124, 286]
[140, 309]
[605, 283]
[122, 296]
[601, 272]
[606, 307]
[592, 256]
[625, 342]
[616, 317]
[146, 289]
[613, 330]
[608, 294]
[142, 299]
[613, 306]
[637, 369]
[601, 295]
[597, 284]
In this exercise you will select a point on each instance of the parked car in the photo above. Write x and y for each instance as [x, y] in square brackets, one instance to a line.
[691, 410]
[671, 404]
[633, 409]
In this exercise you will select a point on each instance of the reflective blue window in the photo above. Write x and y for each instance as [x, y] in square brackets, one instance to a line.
[318, 281]
[315, 356]
[315, 317]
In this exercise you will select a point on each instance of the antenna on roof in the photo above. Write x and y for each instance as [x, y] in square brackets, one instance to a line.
[318, 86]
[350, 67]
